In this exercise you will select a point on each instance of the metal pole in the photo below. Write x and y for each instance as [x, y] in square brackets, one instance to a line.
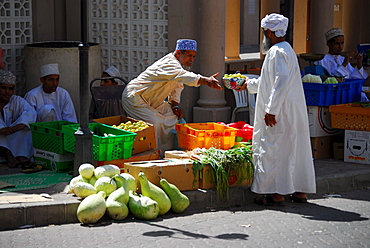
[83, 152]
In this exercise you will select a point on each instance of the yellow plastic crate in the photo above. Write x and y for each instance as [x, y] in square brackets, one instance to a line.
[205, 135]
[351, 116]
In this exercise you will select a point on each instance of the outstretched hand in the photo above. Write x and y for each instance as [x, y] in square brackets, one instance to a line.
[211, 81]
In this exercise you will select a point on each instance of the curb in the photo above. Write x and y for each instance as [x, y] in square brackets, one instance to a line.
[64, 207]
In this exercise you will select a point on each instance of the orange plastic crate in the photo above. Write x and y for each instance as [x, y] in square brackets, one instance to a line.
[205, 135]
[351, 116]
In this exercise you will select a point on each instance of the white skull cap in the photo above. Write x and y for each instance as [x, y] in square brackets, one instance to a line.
[6, 77]
[334, 32]
[113, 72]
[49, 69]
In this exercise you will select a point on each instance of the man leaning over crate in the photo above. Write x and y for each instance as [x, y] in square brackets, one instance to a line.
[16, 114]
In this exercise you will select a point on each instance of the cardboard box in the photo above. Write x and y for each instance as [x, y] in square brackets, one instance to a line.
[176, 154]
[54, 161]
[357, 146]
[176, 171]
[322, 147]
[206, 179]
[145, 139]
[319, 120]
[143, 156]
[338, 150]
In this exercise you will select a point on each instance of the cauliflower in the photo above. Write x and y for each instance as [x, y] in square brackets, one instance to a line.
[308, 78]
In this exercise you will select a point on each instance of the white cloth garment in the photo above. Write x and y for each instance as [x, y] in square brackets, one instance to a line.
[333, 64]
[144, 97]
[45, 104]
[18, 111]
[281, 154]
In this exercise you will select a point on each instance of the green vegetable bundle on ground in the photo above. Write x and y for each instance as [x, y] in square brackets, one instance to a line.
[223, 162]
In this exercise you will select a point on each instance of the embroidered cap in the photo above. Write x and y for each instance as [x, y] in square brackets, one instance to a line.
[6, 77]
[49, 69]
[334, 32]
[186, 44]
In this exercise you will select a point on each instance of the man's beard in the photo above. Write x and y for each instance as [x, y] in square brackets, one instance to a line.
[186, 67]
[266, 44]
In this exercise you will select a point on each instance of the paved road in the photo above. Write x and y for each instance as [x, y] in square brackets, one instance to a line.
[324, 222]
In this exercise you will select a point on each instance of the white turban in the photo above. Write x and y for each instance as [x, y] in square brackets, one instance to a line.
[113, 72]
[49, 69]
[276, 23]
[6, 77]
[334, 32]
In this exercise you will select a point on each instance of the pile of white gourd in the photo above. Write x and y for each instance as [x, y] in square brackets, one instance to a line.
[105, 190]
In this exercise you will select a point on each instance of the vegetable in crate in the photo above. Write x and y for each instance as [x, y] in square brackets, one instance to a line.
[132, 126]
[308, 78]
[331, 80]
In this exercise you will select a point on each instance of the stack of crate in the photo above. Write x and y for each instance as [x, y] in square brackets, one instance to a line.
[49, 152]
[354, 118]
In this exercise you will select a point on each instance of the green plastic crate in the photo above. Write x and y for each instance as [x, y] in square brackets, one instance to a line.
[107, 148]
[48, 136]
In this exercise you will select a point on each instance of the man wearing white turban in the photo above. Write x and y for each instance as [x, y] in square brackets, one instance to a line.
[52, 103]
[281, 141]
[144, 97]
[15, 134]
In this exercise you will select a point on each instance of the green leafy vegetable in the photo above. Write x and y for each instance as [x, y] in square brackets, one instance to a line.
[222, 162]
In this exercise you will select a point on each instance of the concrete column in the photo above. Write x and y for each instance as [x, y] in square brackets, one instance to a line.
[321, 20]
[300, 28]
[351, 16]
[211, 50]
[365, 22]
[267, 7]
[232, 29]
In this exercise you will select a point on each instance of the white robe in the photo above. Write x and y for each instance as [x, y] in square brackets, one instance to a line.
[333, 64]
[18, 111]
[281, 154]
[58, 103]
[144, 97]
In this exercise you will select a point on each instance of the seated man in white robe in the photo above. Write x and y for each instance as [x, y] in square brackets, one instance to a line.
[338, 65]
[144, 98]
[16, 114]
[52, 103]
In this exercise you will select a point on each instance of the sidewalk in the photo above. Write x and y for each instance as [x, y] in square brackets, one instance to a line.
[332, 176]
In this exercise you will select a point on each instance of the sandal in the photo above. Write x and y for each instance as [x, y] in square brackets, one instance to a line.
[31, 168]
[297, 199]
[268, 201]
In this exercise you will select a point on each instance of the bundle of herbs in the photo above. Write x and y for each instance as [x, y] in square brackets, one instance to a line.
[237, 161]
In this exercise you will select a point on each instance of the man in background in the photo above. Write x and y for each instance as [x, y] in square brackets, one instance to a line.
[52, 103]
[16, 114]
